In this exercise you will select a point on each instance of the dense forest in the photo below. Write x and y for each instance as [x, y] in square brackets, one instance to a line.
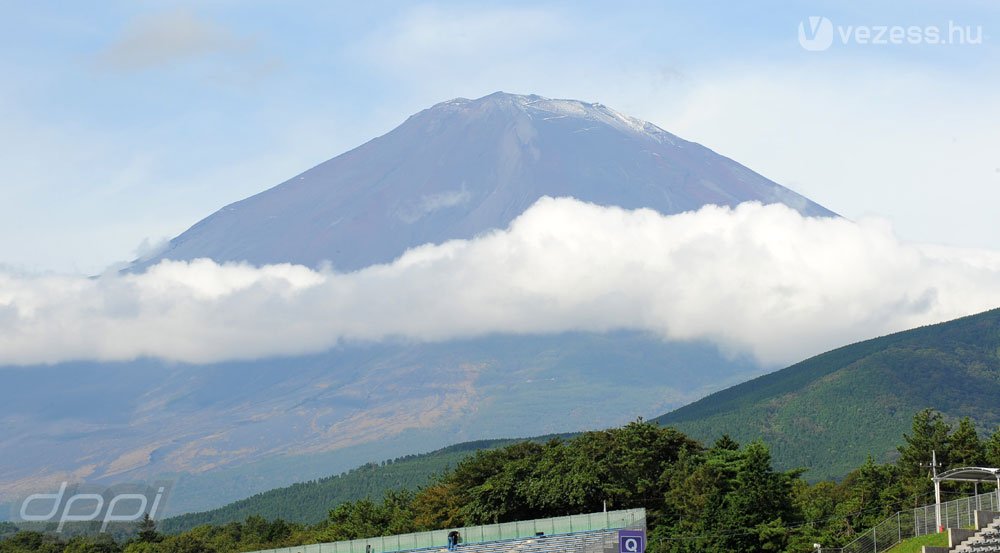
[809, 414]
[716, 498]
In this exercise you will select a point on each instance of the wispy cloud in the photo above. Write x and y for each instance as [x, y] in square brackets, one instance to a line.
[757, 279]
[434, 40]
[167, 38]
[434, 202]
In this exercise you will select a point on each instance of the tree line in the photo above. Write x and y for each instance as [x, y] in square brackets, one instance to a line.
[714, 498]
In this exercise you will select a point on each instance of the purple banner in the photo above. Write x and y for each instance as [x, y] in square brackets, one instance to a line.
[631, 541]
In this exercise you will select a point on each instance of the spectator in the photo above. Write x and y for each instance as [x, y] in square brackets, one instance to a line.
[453, 538]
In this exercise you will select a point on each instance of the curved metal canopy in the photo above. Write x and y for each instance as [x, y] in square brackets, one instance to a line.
[970, 474]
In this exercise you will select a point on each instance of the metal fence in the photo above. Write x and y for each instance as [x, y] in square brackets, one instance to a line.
[957, 513]
[610, 520]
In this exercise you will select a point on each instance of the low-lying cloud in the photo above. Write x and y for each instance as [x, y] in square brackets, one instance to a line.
[760, 280]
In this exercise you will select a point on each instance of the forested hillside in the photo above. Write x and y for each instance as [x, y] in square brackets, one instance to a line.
[310, 502]
[720, 498]
[826, 414]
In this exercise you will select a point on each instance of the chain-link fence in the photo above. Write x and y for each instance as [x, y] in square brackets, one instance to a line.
[957, 513]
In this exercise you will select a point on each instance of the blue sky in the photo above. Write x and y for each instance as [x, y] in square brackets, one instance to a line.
[122, 123]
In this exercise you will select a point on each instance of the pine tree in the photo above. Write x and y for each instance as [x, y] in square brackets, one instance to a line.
[929, 434]
[992, 449]
[147, 530]
[966, 448]
[727, 443]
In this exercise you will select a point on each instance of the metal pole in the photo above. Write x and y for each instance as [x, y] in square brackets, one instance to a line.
[899, 528]
[972, 514]
[937, 492]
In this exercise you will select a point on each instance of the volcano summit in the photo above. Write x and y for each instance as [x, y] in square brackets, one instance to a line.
[463, 167]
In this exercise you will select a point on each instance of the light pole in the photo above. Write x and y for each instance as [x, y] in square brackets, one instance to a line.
[937, 490]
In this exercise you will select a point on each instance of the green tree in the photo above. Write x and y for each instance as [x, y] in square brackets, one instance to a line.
[7, 528]
[438, 506]
[992, 449]
[623, 467]
[144, 547]
[760, 499]
[726, 500]
[725, 442]
[929, 433]
[966, 449]
[101, 543]
[147, 530]
[817, 505]
[188, 542]
[366, 518]
[25, 541]
[870, 493]
[494, 483]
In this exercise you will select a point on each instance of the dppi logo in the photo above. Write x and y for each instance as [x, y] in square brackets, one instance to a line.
[818, 36]
[123, 503]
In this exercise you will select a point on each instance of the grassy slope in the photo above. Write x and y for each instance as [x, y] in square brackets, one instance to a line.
[829, 412]
[915, 545]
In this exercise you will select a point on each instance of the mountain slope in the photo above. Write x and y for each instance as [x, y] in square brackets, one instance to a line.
[828, 412]
[464, 167]
[309, 502]
[229, 430]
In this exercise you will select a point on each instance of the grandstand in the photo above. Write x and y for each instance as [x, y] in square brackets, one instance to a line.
[605, 532]
[986, 540]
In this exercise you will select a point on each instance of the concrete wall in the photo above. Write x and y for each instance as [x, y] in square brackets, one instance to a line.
[957, 536]
[984, 518]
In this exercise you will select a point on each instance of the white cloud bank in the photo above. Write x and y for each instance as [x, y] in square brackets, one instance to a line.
[756, 279]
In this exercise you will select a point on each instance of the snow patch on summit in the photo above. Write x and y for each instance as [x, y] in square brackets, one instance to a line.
[595, 112]
[556, 108]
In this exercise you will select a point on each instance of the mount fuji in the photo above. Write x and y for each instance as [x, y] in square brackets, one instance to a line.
[463, 167]
[225, 431]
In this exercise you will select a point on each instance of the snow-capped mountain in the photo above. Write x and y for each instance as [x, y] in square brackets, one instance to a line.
[466, 166]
